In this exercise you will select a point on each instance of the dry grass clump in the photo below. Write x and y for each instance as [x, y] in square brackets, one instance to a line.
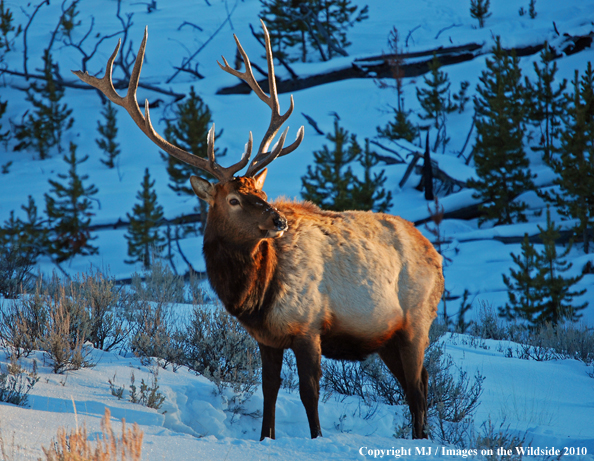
[77, 447]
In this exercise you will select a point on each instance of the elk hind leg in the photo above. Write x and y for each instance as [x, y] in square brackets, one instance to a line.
[272, 364]
[404, 358]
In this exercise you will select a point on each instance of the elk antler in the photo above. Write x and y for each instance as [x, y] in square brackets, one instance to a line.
[263, 158]
[130, 103]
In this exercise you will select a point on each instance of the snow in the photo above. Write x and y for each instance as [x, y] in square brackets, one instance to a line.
[550, 402]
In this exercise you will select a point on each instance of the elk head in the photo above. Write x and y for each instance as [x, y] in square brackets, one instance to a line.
[238, 205]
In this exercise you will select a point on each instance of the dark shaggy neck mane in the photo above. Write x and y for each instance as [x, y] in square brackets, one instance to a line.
[243, 276]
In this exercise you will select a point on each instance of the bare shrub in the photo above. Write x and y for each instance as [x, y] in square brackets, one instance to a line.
[148, 396]
[16, 267]
[23, 322]
[451, 402]
[101, 298]
[63, 342]
[552, 342]
[159, 284]
[75, 446]
[488, 325]
[492, 439]
[369, 379]
[155, 334]
[219, 348]
[15, 385]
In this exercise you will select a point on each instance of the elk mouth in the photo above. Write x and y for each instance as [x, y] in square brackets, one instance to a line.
[280, 226]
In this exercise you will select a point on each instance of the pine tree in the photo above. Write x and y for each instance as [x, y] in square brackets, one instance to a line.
[143, 234]
[545, 103]
[539, 293]
[108, 133]
[285, 33]
[69, 209]
[461, 98]
[398, 128]
[369, 193]
[330, 183]
[532, 9]
[479, 9]
[33, 234]
[43, 128]
[501, 163]
[3, 136]
[435, 101]
[524, 285]
[27, 237]
[189, 132]
[401, 127]
[321, 25]
[335, 18]
[574, 165]
[557, 301]
[6, 29]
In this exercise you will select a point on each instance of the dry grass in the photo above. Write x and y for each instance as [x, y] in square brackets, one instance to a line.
[77, 447]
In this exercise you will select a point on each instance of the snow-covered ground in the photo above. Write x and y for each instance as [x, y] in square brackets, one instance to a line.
[551, 402]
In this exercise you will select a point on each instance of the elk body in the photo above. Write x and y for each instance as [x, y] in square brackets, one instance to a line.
[342, 285]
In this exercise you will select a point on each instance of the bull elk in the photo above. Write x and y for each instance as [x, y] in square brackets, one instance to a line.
[343, 285]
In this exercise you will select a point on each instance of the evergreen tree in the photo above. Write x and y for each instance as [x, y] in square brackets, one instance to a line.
[321, 25]
[539, 293]
[400, 127]
[557, 302]
[6, 29]
[574, 165]
[285, 33]
[108, 133]
[43, 128]
[189, 132]
[332, 185]
[3, 136]
[545, 103]
[27, 238]
[479, 10]
[524, 285]
[33, 232]
[143, 234]
[532, 9]
[369, 193]
[461, 98]
[435, 101]
[501, 163]
[69, 210]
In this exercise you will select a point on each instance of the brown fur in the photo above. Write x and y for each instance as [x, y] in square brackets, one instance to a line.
[344, 285]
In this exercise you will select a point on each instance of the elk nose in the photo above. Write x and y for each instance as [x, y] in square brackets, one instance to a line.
[280, 222]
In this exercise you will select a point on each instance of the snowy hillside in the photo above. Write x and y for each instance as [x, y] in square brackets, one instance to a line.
[550, 403]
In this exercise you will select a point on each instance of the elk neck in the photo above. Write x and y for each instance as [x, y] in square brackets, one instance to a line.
[244, 275]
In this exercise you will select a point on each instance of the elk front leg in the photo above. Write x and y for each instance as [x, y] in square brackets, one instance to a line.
[308, 355]
[272, 364]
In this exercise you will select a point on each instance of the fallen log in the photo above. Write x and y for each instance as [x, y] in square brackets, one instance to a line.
[378, 66]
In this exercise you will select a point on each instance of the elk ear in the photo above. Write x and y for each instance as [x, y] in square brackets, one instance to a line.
[260, 178]
[203, 189]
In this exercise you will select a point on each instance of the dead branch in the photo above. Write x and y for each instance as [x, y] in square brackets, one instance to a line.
[392, 161]
[25, 30]
[187, 61]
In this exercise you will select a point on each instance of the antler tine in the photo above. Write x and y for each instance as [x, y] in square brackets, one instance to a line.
[263, 157]
[130, 103]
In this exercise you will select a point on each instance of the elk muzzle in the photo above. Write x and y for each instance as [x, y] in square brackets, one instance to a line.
[276, 226]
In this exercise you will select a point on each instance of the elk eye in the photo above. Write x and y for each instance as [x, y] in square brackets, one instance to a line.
[233, 202]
